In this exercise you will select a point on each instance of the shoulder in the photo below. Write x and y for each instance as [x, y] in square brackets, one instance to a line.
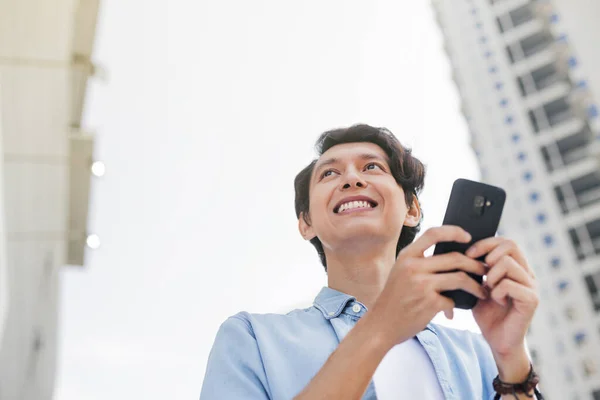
[256, 323]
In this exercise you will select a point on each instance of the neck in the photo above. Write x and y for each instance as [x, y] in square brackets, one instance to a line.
[360, 273]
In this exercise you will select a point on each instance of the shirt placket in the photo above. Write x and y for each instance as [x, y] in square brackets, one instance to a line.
[341, 328]
[434, 349]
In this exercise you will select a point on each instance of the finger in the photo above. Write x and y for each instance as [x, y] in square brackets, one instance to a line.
[446, 233]
[508, 268]
[459, 280]
[495, 248]
[507, 247]
[524, 298]
[451, 262]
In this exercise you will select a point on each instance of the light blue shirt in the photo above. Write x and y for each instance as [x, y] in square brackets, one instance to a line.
[274, 356]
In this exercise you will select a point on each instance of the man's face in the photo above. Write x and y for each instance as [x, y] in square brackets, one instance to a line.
[354, 199]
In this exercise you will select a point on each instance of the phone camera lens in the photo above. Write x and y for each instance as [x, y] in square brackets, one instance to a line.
[479, 201]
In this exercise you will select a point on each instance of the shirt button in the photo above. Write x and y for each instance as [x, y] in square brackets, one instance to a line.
[331, 313]
[356, 308]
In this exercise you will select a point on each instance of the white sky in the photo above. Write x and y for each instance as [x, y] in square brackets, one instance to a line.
[209, 111]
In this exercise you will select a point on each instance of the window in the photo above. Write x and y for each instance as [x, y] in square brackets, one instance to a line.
[576, 244]
[515, 18]
[511, 55]
[580, 339]
[593, 285]
[539, 79]
[586, 190]
[550, 114]
[536, 43]
[529, 46]
[586, 239]
[570, 149]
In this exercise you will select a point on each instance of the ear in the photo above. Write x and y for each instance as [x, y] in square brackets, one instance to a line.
[304, 227]
[413, 215]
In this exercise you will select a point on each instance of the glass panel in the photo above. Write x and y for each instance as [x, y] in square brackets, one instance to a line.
[576, 244]
[558, 111]
[587, 189]
[545, 76]
[536, 43]
[593, 285]
[521, 15]
[572, 148]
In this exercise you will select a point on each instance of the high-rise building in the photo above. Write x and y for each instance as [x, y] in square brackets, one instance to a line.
[528, 73]
[45, 157]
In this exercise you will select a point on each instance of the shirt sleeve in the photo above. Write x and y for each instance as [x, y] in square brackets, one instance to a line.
[235, 369]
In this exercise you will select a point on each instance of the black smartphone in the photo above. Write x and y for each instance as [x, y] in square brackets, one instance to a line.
[476, 207]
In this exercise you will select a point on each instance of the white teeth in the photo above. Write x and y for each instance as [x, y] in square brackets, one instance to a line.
[354, 204]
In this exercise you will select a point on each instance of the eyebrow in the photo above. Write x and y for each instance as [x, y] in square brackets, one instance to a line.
[363, 156]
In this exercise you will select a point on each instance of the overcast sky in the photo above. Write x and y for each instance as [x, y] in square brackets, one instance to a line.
[208, 111]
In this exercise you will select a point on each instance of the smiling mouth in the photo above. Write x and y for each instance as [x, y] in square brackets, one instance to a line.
[354, 206]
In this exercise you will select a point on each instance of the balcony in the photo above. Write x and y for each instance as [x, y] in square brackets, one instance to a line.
[540, 79]
[551, 114]
[501, 7]
[586, 190]
[568, 150]
[529, 46]
[525, 66]
[586, 239]
[515, 18]
[593, 285]
[577, 169]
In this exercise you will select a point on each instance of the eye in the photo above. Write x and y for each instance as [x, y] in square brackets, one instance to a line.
[372, 166]
[326, 173]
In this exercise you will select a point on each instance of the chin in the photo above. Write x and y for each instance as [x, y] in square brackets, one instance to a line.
[364, 233]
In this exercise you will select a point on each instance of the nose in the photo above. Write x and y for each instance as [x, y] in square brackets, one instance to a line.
[352, 179]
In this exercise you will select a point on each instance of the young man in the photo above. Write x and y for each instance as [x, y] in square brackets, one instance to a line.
[357, 204]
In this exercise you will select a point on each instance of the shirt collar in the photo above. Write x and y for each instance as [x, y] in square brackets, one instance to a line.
[331, 303]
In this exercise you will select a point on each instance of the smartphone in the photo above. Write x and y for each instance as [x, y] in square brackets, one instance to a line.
[476, 207]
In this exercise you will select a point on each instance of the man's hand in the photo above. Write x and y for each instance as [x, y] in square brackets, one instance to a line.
[505, 316]
[411, 296]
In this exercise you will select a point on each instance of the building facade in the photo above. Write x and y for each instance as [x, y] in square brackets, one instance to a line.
[528, 73]
[45, 50]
